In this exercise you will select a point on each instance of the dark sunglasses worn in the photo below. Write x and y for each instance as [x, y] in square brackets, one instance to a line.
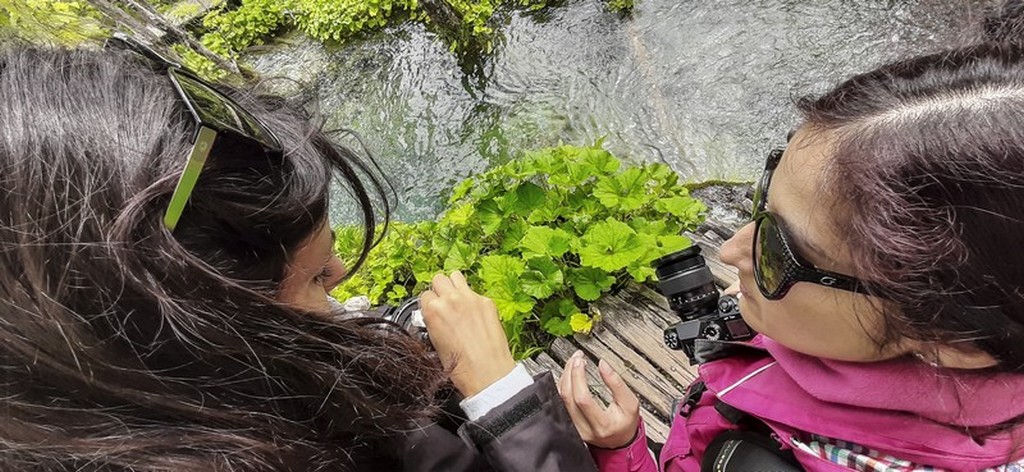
[777, 267]
[218, 120]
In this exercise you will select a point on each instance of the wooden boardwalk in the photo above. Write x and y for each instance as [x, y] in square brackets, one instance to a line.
[629, 338]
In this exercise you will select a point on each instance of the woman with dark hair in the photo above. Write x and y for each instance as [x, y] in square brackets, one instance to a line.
[165, 260]
[882, 270]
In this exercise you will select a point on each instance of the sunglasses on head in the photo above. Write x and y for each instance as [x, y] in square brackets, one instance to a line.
[219, 122]
[777, 267]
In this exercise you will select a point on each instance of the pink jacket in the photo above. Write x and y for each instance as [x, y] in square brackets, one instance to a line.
[902, 408]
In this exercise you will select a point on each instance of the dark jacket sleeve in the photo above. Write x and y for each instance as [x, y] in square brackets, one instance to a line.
[434, 448]
[531, 431]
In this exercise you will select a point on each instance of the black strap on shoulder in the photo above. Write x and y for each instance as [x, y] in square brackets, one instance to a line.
[747, 451]
[693, 396]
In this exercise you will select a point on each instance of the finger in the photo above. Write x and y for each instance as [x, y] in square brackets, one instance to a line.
[591, 410]
[441, 285]
[426, 297]
[566, 391]
[732, 289]
[430, 306]
[563, 379]
[459, 281]
[621, 394]
[566, 377]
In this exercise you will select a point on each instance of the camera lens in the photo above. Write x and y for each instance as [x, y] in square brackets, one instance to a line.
[402, 314]
[685, 280]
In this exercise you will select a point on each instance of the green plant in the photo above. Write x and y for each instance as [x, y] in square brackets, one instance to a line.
[474, 33]
[231, 31]
[621, 6]
[62, 22]
[542, 236]
[199, 64]
[335, 20]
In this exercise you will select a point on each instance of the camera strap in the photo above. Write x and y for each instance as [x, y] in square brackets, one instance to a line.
[752, 447]
[707, 350]
[692, 397]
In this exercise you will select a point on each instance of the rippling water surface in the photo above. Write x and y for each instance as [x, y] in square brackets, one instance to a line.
[705, 87]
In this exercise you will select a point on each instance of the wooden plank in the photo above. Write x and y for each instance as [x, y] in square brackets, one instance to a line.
[671, 382]
[657, 428]
[597, 386]
[650, 295]
[533, 367]
[639, 374]
[561, 350]
[642, 335]
[545, 361]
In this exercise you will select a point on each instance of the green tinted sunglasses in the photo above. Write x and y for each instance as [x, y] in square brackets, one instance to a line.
[777, 266]
[218, 119]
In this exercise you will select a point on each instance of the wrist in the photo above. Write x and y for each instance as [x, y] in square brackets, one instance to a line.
[480, 379]
[616, 444]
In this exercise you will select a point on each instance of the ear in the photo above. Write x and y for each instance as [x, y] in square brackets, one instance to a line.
[964, 357]
[961, 355]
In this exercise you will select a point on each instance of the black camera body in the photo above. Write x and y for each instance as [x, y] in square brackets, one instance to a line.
[686, 281]
[725, 325]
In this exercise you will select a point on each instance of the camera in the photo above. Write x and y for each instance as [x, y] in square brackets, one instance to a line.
[408, 316]
[685, 280]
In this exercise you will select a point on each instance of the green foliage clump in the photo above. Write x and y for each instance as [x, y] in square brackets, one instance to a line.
[201, 65]
[231, 31]
[335, 20]
[542, 236]
[52, 21]
[475, 30]
[621, 6]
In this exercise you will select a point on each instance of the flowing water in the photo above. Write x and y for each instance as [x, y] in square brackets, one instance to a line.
[705, 87]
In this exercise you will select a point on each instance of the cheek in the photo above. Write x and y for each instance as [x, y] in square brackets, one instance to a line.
[813, 321]
[304, 296]
[313, 299]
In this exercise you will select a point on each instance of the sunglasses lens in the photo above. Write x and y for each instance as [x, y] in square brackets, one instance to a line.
[769, 257]
[215, 109]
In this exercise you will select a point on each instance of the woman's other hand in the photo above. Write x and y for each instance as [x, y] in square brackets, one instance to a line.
[610, 428]
[465, 330]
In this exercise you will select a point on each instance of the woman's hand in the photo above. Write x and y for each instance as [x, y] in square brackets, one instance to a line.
[610, 428]
[465, 330]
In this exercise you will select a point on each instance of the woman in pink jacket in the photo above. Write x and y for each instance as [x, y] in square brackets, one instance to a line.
[883, 270]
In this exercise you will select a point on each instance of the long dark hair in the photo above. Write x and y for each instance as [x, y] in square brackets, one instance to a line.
[126, 347]
[929, 159]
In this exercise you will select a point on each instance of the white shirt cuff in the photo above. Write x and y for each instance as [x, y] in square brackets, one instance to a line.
[497, 393]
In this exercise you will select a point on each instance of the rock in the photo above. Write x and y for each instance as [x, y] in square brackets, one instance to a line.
[729, 206]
